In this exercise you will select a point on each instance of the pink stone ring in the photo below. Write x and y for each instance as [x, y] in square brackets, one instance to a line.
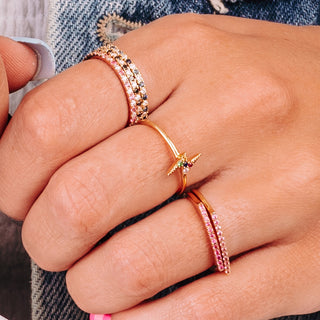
[214, 230]
[129, 77]
[100, 316]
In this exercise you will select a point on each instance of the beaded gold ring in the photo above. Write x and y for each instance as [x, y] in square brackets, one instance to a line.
[181, 162]
[129, 77]
[213, 229]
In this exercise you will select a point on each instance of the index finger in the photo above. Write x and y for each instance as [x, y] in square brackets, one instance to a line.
[74, 111]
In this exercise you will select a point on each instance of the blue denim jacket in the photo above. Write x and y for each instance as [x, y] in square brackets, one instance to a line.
[73, 23]
[73, 33]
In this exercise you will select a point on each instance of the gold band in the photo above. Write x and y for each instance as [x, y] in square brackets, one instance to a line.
[181, 161]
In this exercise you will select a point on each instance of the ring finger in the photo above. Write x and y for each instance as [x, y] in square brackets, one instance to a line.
[153, 254]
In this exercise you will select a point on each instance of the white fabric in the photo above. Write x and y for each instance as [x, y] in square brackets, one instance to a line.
[219, 6]
[24, 18]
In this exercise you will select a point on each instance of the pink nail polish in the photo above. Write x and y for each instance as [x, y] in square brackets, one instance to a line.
[100, 316]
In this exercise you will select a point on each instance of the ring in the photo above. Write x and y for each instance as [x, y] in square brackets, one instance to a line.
[129, 77]
[213, 228]
[181, 160]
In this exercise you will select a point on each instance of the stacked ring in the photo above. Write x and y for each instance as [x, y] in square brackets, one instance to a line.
[129, 77]
[181, 160]
[213, 229]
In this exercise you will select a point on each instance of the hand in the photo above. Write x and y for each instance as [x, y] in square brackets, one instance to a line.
[18, 64]
[243, 93]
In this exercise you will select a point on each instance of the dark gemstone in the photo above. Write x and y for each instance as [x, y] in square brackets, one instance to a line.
[136, 90]
[128, 61]
[124, 66]
[145, 109]
[144, 97]
[185, 164]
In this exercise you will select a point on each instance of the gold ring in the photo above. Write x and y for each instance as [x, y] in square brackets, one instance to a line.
[181, 160]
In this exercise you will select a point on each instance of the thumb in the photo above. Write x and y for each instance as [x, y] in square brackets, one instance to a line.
[19, 62]
[18, 65]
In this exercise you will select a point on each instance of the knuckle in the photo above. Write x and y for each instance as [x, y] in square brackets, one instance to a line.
[39, 122]
[139, 270]
[305, 175]
[307, 172]
[196, 309]
[44, 121]
[270, 97]
[75, 197]
[279, 95]
[191, 28]
[198, 306]
[223, 308]
[79, 289]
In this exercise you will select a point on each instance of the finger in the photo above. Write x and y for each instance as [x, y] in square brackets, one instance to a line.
[264, 284]
[133, 270]
[142, 260]
[20, 62]
[73, 112]
[89, 196]
[17, 66]
[56, 122]
[249, 220]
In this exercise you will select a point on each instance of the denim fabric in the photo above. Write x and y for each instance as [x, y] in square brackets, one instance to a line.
[72, 34]
[296, 12]
[73, 23]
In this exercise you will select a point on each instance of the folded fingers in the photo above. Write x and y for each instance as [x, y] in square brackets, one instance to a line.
[126, 175]
[69, 114]
[119, 178]
[170, 246]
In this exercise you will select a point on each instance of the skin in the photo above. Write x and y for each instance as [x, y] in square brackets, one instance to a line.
[246, 95]
[18, 64]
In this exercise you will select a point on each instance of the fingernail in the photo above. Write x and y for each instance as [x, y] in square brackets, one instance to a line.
[100, 316]
[46, 62]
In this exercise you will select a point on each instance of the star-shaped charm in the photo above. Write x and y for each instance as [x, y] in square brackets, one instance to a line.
[183, 163]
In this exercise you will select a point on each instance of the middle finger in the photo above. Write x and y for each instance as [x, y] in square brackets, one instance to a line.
[105, 186]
